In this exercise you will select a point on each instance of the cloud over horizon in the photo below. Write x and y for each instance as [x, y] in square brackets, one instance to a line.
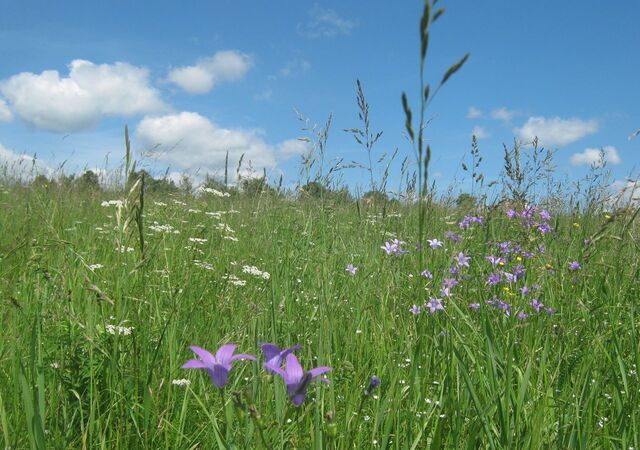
[596, 157]
[189, 141]
[79, 101]
[555, 131]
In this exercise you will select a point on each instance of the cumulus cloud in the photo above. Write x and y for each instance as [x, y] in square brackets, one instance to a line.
[596, 157]
[555, 132]
[189, 141]
[504, 114]
[625, 192]
[474, 113]
[479, 132]
[223, 66]
[5, 113]
[292, 147]
[20, 167]
[79, 101]
[325, 23]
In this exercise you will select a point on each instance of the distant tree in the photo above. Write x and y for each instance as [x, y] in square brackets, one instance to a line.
[41, 181]
[256, 186]
[317, 190]
[156, 185]
[466, 201]
[375, 197]
[88, 181]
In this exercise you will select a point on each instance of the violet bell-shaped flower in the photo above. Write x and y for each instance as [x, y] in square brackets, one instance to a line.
[218, 366]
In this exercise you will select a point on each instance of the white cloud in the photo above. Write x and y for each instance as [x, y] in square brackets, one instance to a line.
[325, 23]
[504, 114]
[225, 65]
[625, 192]
[596, 157]
[79, 101]
[20, 167]
[479, 132]
[474, 113]
[555, 132]
[294, 68]
[189, 141]
[292, 147]
[5, 113]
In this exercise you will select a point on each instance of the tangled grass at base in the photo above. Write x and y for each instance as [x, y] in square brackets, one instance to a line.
[518, 331]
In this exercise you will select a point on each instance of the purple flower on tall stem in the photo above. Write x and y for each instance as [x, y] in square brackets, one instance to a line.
[536, 304]
[351, 269]
[297, 380]
[415, 310]
[434, 304]
[495, 260]
[455, 237]
[494, 278]
[475, 306]
[428, 275]
[435, 243]
[462, 260]
[274, 357]
[512, 213]
[217, 366]
[373, 384]
[574, 265]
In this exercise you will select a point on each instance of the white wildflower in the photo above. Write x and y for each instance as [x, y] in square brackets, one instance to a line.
[181, 382]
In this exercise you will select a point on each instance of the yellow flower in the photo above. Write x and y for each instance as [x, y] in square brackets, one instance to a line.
[576, 224]
[518, 258]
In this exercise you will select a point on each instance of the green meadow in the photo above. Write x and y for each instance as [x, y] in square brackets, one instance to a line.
[96, 324]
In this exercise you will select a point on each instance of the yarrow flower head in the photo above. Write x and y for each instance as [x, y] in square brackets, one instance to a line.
[298, 380]
[351, 269]
[218, 366]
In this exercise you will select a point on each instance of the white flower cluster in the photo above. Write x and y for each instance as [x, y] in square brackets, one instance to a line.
[181, 382]
[202, 264]
[123, 249]
[116, 203]
[215, 192]
[93, 267]
[234, 280]
[118, 329]
[253, 270]
[197, 240]
[163, 228]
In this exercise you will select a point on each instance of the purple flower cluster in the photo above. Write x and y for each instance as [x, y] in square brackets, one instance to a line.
[533, 217]
[394, 248]
[295, 377]
[469, 220]
[433, 305]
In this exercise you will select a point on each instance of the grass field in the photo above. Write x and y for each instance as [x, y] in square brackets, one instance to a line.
[94, 333]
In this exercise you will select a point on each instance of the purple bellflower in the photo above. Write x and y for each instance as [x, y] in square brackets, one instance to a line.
[274, 357]
[297, 380]
[217, 366]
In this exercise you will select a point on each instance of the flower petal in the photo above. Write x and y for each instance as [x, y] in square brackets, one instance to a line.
[204, 355]
[270, 350]
[319, 371]
[194, 364]
[242, 356]
[219, 375]
[275, 369]
[224, 353]
[293, 369]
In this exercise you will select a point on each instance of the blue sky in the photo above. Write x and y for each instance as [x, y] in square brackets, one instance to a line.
[194, 79]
